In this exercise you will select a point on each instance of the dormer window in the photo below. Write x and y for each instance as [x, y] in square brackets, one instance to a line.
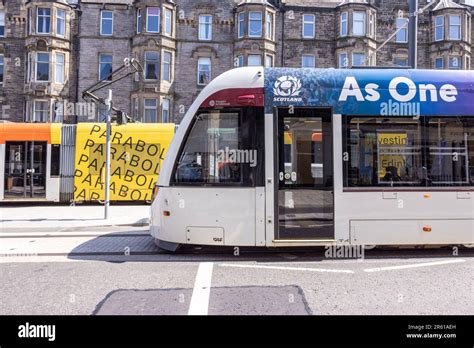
[358, 23]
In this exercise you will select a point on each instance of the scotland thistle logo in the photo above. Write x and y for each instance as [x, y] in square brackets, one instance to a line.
[287, 88]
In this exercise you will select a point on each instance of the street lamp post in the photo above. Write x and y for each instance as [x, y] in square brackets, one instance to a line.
[107, 155]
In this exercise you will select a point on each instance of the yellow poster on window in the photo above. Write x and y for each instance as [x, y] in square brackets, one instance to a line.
[391, 154]
[137, 153]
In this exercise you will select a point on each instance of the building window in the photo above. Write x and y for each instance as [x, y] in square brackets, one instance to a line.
[139, 21]
[135, 108]
[59, 68]
[439, 28]
[204, 71]
[439, 63]
[167, 66]
[254, 60]
[106, 23]
[343, 24]
[268, 61]
[41, 111]
[401, 61]
[269, 26]
[153, 19]
[468, 28]
[165, 111]
[42, 67]
[308, 61]
[343, 61]
[105, 67]
[2, 24]
[205, 27]
[255, 24]
[150, 111]
[60, 22]
[58, 112]
[151, 65]
[454, 63]
[239, 61]
[168, 22]
[358, 23]
[241, 30]
[358, 59]
[371, 25]
[468, 63]
[402, 34]
[43, 20]
[1, 69]
[455, 27]
[309, 26]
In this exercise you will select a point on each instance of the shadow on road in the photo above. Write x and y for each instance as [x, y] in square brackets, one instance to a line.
[139, 247]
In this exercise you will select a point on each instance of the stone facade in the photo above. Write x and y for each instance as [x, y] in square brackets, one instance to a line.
[182, 44]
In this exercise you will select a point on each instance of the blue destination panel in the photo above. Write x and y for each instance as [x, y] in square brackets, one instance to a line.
[385, 92]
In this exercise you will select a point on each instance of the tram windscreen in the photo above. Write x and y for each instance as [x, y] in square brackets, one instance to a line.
[223, 147]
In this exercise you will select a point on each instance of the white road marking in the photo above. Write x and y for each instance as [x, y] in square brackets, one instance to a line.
[202, 290]
[323, 270]
[423, 264]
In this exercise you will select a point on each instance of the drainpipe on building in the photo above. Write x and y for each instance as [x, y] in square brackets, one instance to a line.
[413, 33]
[282, 9]
[78, 39]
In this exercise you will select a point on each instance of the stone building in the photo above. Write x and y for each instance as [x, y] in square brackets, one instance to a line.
[37, 60]
[56, 49]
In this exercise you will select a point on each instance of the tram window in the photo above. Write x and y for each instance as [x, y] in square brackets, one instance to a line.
[224, 147]
[430, 151]
[451, 151]
[383, 152]
[55, 159]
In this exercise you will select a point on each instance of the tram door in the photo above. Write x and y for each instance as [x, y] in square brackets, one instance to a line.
[304, 169]
[25, 169]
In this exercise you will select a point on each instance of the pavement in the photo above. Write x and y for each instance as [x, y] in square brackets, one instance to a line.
[60, 216]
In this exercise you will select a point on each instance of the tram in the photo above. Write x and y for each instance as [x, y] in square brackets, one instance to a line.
[271, 157]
